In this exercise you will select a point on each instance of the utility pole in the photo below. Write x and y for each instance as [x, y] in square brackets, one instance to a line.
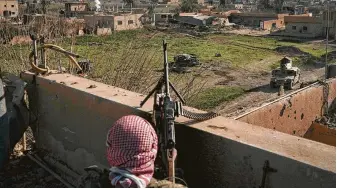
[327, 40]
[325, 87]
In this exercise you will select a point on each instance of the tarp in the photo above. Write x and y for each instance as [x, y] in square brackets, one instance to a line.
[4, 128]
[14, 116]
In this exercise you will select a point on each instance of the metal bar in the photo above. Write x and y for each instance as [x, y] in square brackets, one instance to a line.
[60, 167]
[43, 58]
[159, 84]
[35, 52]
[50, 171]
[177, 93]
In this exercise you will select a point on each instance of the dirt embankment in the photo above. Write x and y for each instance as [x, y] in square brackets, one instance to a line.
[291, 51]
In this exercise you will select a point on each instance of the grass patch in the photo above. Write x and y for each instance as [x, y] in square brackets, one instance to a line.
[267, 43]
[238, 50]
[212, 97]
[275, 65]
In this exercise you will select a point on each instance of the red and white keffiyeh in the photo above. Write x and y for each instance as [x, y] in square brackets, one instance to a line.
[131, 149]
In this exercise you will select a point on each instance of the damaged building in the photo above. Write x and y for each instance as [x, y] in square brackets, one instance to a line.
[159, 18]
[265, 21]
[105, 24]
[303, 26]
[9, 8]
[195, 19]
[76, 9]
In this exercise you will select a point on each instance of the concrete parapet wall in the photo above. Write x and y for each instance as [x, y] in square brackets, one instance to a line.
[76, 113]
[294, 114]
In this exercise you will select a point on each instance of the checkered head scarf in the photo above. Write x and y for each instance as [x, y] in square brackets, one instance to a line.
[131, 152]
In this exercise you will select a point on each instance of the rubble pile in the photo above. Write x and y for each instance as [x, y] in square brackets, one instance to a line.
[22, 172]
[331, 56]
[329, 119]
[332, 115]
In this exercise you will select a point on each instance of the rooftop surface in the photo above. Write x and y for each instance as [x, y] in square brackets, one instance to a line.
[302, 19]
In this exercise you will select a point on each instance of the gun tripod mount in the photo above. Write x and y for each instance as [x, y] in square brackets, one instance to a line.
[163, 81]
[158, 88]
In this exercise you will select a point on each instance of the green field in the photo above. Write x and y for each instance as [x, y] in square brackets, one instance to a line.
[129, 59]
[212, 97]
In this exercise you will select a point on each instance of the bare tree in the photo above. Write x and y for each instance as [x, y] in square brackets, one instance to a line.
[189, 6]
[278, 5]
[264, 4]
[225, 2]
[129, 2]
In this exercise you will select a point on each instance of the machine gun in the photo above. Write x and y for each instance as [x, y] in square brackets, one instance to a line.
[165, 109]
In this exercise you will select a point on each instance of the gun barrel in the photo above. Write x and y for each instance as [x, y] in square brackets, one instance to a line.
[166, 77]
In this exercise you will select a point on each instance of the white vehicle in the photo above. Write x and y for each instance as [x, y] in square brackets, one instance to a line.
[287, 74]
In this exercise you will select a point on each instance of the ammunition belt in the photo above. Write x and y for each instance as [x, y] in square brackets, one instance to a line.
[199, 116]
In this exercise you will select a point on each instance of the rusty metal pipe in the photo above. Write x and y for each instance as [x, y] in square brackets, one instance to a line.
[66, 52]
[50, 171]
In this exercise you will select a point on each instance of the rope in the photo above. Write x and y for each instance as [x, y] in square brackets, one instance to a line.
[55, 48]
